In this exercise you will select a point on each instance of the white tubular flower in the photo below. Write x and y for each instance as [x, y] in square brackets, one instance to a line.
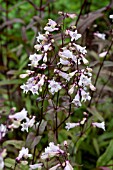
[27, 124]
[38, 47]
[55, 167]
[19, 116]
[51, 150]
[64, 62]
[103, 54]
[36, 166]
[93, 88]
[85, 61]
[3, 130]
[34, 89]
[52, 23]
[63, 74]
[80, 49]
[51, 26]
[100, 35]
[76, 100]
[41, 82]
[47, 47]
[23, 153]
[85, 96]
[54, 86]
[74, 35]
[22, 76]
[111, 16]
[68, 166]
[1, 163]
[72, 16]
[41, 37]
[35, 58]
[25, 88]
[71, 125]
[45, 58]
[66, 54]
[99, 125]
[71, 90]
[84, 80]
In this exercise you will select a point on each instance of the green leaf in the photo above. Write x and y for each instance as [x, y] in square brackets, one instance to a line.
[106, 156]
[16, 143]
[9, 82]
[96, 145]
[9, 163]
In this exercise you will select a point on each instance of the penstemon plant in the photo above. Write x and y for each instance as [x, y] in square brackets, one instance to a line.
[61, 80]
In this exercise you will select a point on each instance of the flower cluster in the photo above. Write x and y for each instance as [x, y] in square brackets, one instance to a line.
[67, 69]
[19, 118]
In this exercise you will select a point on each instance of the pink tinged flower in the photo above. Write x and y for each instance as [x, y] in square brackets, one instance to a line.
[62, 74]
[36, 166]
[68, 166]
[51, 26]
[80, 49]
[50, 29]
[55, 167]
[51, 151]
[100, 35]
[103, 54]
[23, 153]
[85, 96]
[92, 87]
[76, 100]
[74, 35]
[47, 47]
[41, 37]
[72, 16]
[71, 125]
[66, 54]
[99, 125]
[3, 131]
[52, 23]
[63, 62]
[22, 76]
[54, 86]
[19, 116]
[1, 163]
[38, 47]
